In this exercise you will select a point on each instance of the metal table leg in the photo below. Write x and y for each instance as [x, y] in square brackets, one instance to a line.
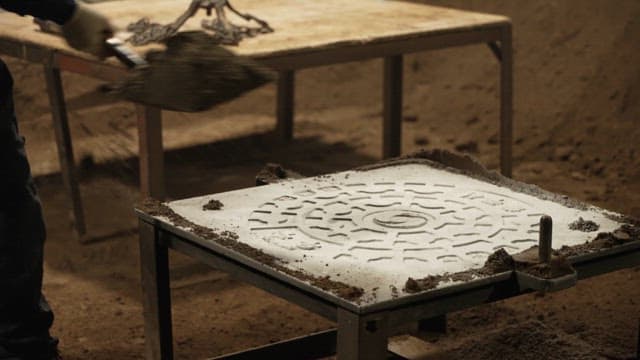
[151, 151]
[285, 104]
[392, 111]
[506, 101]
[65, 146]
[360, 339]
[156, 294]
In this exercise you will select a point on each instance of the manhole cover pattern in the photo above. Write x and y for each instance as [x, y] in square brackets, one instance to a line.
[398, 221]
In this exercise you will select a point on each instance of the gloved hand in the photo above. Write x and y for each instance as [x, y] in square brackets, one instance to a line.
[87, 31]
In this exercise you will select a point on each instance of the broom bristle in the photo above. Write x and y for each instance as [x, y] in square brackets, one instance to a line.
[192, 74]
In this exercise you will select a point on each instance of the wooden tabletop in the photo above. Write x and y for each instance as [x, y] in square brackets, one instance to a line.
[301, 26]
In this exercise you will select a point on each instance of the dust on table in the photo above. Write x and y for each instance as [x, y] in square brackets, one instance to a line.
[212, 205]
[229, 240]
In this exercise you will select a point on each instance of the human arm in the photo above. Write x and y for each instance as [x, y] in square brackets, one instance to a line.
[59, 11]
[84, 28]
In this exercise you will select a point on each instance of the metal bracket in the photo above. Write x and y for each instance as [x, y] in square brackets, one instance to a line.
[529, 282]
[496, 50]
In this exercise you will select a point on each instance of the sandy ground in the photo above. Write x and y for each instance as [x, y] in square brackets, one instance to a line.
[577, 110]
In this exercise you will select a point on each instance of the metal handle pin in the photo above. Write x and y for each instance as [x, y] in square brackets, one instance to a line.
[544, 245]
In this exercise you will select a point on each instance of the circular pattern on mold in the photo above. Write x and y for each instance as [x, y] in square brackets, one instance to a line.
[398, 221]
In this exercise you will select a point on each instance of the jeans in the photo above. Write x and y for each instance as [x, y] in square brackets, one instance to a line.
[25, 316]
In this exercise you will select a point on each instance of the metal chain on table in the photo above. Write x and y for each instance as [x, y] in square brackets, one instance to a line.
[222, 30]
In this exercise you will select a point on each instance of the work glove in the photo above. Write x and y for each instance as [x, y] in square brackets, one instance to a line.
[87, 31]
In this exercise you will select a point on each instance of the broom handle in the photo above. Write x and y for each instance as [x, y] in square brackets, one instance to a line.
[125, 54]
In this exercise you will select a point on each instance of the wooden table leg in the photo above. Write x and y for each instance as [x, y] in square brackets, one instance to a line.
[285, 104]
[65, 146]
[156, 295]
[392, 111]
[359, 339]
[151, 151]
[506, 102]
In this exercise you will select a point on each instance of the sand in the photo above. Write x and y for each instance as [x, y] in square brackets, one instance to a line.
[577, 105]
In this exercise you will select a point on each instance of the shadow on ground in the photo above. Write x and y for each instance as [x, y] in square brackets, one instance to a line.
[109, 192]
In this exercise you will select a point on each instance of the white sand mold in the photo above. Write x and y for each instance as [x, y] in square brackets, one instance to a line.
[374, 229]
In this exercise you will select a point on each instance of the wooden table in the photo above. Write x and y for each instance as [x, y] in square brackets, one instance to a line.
[308, 33]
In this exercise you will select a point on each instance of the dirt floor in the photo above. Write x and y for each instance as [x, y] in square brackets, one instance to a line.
[577, 108]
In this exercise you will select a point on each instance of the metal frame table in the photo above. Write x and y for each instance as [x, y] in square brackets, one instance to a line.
[313, 34]
[362, 328]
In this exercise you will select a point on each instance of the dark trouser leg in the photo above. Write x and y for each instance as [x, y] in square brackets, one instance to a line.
[25, 316]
